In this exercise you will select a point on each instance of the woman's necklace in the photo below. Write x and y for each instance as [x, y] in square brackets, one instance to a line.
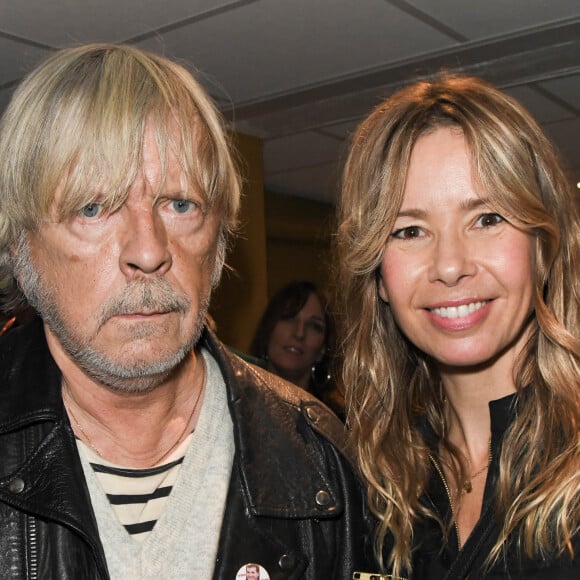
[466, 486]
[165, 453]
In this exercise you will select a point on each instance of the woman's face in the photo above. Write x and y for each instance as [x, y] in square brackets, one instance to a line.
[297, 343]
[457, 276]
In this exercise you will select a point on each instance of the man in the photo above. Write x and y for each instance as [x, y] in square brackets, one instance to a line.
[132, 444]
[252, 572]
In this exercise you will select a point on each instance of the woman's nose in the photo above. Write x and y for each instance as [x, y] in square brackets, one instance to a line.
[451, 260]
[299, 328]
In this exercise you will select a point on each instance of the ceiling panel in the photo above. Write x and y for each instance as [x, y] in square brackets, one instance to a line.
[567, 89]
[566, 135]
[5, 96]
[540, 106]
[478, 20]
[343, 130]
[270, 49]
[17, 59]
[319, 183]
[313, 114]
[76, 21]
[300, 150]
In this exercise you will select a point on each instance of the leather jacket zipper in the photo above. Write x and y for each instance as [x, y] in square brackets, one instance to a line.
[32, 549]
[449, 497]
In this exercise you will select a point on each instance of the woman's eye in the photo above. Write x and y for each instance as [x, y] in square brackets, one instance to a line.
[489, 219]
[182, 205]
[317, 327]
[408, 233]
[91, 210]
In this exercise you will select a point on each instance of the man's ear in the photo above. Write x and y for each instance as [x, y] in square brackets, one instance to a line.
[382, 289]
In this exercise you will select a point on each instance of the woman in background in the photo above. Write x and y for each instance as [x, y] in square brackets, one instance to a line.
[295, 338]
[459, 270]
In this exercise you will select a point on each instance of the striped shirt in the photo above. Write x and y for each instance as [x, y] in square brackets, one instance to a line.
[137, 496]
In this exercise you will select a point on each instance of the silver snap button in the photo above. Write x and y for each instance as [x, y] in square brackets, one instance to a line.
[16, 485]
[287, 561]
[323, 498]
[312, 414]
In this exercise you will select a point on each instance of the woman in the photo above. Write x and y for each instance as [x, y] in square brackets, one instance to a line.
[459, 270]
[295, 338]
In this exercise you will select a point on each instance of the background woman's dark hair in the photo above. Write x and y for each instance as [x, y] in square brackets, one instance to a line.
[285, 304]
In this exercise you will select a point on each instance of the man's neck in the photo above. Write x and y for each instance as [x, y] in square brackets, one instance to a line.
[134, 429]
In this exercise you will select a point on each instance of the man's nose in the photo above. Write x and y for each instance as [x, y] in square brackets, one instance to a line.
[144, 244]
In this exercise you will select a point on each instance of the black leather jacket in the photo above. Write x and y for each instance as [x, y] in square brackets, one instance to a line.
[294, 504]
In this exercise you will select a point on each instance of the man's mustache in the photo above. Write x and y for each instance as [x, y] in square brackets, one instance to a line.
[144, 297]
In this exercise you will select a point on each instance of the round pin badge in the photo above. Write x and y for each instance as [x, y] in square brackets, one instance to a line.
[252, 571]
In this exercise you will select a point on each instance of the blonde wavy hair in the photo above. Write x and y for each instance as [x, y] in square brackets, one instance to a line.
[75, 126]
[389, 382]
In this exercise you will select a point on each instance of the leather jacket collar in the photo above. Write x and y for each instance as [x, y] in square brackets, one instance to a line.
[275, 483]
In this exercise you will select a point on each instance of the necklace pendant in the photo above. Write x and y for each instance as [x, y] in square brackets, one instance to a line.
[467, 487]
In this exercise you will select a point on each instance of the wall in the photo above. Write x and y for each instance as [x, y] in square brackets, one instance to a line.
[242, 294]
[281, 239]
[298, 240]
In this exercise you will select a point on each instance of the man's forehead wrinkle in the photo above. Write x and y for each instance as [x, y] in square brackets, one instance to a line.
[166, 173]
[97, 178]
[147, 186]
[180, 140]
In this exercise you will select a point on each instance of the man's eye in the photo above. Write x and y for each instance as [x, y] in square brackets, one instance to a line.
[408, 233]
[182, 205]
[489, 220]
[91, 210]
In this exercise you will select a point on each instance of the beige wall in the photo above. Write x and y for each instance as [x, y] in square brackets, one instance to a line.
[281, 239]
[242, 293]
[298, 240]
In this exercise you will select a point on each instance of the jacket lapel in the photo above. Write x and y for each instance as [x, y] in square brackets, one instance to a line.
[282, 462]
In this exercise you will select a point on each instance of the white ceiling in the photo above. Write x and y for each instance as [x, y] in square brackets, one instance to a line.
[302, 73]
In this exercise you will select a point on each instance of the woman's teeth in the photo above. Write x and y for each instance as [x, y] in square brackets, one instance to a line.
[458, 311]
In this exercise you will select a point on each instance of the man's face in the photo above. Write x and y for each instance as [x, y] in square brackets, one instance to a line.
[123, 294]
[252, 573]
